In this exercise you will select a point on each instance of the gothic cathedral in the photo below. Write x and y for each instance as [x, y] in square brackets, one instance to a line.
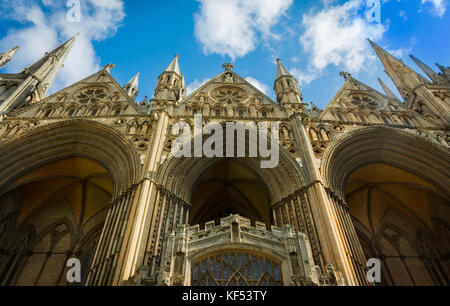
[88, 173]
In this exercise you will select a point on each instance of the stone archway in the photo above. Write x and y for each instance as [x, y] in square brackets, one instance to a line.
[57, 186]
[397, 188]
[54, 142]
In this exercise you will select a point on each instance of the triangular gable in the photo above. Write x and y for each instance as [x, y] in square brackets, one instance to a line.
[73, 93]
[353, 87]
[237, 80]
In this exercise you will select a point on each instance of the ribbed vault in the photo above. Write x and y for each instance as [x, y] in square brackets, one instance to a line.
[229, 188]
[373, 190]
[84, 185]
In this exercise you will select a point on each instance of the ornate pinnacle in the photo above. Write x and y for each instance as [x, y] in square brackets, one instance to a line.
[6, 57]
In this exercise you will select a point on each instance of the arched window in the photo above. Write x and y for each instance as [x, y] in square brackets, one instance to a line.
[241, 113]
[117, 111]
[236, 269]
[94, 112]
[70, 113]
[217, 112]
[47, 113]
[264, 114]
[194, 111]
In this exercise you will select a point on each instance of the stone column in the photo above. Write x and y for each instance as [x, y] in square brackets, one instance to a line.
[146, 203]
[331, 238]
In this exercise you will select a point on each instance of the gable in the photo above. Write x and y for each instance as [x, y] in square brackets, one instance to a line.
[357, 99]
[228, 90]
[98, 95]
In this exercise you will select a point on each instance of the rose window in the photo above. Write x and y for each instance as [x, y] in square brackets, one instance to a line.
[229, 95]
[92, 95]
[364, 100]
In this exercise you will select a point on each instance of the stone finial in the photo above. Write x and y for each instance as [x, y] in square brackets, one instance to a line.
[108, 67]
[228, 67]
[345, 75]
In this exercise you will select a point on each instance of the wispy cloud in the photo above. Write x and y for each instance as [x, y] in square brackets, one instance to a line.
[259, 85]
[44, 25]
[195, 85]
[439, 6]
[234, 27]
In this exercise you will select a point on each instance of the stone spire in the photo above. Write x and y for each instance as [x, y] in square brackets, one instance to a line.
[6, 57]
[414, 88]
[132, 87]
[404, 78]
[281, 70]
[428, 71]
[33, 83]
[174, 66]
[286, 87]
[387, 90]
[45, 69]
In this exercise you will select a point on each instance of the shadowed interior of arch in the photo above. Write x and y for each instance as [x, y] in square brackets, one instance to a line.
[229, 188]
[373, 190]
[396, 214]
[84, 185]
[52, 211]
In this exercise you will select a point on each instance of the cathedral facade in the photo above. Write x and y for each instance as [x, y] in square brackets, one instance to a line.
[89, 173]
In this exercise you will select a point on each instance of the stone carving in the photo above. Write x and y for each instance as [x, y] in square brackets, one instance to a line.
[229, 94]
[92, 95]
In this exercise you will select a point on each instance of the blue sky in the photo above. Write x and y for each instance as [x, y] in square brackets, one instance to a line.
[315, 39]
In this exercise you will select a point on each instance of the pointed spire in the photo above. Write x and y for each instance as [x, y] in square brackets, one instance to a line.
[132, 87]
[47, 67]
[403, 76]
[6, 57]
[387, 90]
[174, 66]
[281, 70]
[428, 71]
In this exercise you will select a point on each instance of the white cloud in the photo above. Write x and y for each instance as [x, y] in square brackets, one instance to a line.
[302, 77]
[338, 35]
[259, 85]
[195, 85]
[46, 25]
[439, 6]
[233, 27]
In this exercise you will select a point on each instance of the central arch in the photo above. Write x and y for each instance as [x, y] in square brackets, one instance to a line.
[181, 175]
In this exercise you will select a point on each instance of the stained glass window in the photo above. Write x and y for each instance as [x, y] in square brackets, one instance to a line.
[236, 269]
